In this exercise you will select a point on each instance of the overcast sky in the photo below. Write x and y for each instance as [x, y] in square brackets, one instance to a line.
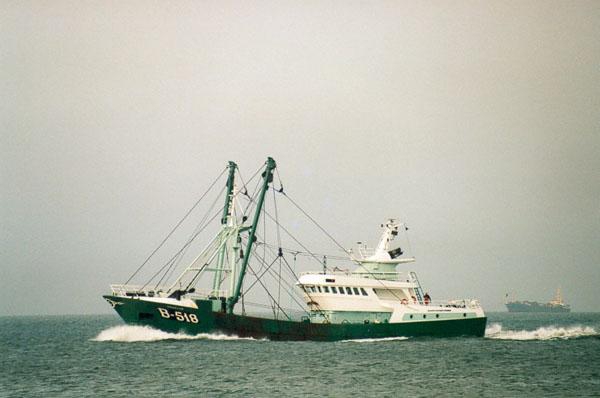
[476, 122]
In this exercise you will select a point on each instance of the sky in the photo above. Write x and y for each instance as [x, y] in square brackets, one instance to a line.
[477, 123]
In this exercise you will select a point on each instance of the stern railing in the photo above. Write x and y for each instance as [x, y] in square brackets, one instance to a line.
[454, 303]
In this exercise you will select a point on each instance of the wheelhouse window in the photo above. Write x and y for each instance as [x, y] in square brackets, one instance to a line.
[341, 290]
[326, 289]
[355, 289]
[319, 289]
[349, 291]
[333, 289]
[364, 293]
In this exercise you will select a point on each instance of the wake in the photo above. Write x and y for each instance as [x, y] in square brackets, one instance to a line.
[495, 331]
[131, 334]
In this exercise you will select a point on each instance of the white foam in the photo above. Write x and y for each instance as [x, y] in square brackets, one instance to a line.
[129, 334]
[494, 331]
[374, 340]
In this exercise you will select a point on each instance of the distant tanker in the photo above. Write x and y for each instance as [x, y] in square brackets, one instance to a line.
[556, 305]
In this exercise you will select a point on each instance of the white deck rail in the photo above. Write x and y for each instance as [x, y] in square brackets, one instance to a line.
[394, 276]
[161, 291]
[455, 303]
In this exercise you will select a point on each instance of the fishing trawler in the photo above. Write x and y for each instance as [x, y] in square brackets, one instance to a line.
[555, 305]
[372, 300]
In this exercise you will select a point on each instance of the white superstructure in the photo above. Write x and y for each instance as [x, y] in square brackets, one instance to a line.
[376, 292]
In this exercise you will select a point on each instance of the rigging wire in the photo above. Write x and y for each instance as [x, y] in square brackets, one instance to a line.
[294, 238]
[189, 241]
[175, 227]
[183, 248]
[318, 307]
[332, 239]
[264, 229]
[181, 252]
[312, 255]
[267, 291]
[315, 222]
[268, 270]
[299, 243]
[194, 280]
[279, 251]
[254, 193]
[297, 280]
[306, 254]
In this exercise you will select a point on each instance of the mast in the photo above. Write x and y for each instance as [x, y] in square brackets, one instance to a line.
[267, 178]
[218, 246]
[229, 196]
[227, 221]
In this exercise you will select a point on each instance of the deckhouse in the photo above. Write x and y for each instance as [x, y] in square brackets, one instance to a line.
[376, 292]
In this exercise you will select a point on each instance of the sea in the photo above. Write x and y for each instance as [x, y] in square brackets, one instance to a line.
[521, 355]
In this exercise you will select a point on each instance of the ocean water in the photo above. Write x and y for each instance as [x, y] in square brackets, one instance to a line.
[522, 355]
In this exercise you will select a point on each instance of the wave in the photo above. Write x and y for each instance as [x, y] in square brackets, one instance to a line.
[495, 331]
[374, 340]
[131, 334]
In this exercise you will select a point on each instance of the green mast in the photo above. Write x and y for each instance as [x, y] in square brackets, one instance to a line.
[226, 223]
[227, 208]
[267, 178]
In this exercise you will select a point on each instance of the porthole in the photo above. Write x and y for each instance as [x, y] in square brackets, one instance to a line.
[424, 316]
[437, 315]
[465, 315]
[411, 317]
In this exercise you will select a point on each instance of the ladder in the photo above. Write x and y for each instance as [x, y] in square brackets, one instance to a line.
[419, 289]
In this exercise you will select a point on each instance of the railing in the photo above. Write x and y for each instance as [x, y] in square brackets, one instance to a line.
[161, 291]
[463, 303]
[210, 293]
[366, 252]
[394, 276]
[139, 290]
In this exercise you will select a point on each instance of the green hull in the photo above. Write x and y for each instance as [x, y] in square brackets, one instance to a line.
[205, 319]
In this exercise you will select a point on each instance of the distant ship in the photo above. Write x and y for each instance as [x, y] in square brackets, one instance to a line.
[556, 305]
